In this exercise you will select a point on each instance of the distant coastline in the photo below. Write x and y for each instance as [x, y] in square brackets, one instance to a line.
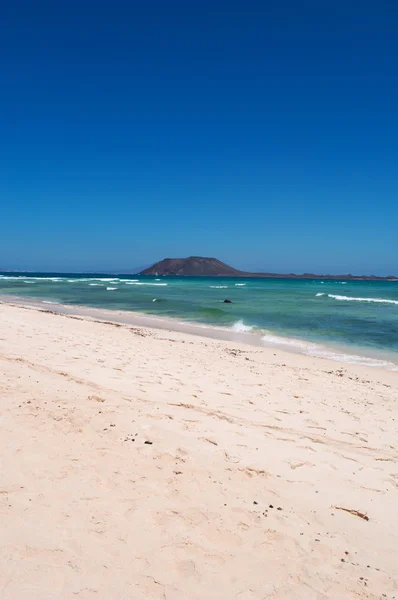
[199, 266]
[243, 274]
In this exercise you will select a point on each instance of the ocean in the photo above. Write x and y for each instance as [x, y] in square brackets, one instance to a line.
[355, 321]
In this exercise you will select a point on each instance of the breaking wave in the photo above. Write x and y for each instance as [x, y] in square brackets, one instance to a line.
[240, 327]
[24, 277]
[350, 299]
[144, 283]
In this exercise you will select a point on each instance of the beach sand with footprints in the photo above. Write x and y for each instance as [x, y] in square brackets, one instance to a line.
[142, 463]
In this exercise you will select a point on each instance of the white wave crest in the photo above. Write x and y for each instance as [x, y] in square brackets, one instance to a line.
[320, 294]
[218, 287]
[350, 299]
[96, 284]
[25, 277]
[240, 327]
[105, 279]
[239, 284]
[145, 283]
[50, 302]
[88, 279]
[110, 289]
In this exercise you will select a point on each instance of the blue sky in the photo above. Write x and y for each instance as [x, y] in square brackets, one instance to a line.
[262, 133]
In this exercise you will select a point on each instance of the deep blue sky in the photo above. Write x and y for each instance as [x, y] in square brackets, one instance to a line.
[262, 133]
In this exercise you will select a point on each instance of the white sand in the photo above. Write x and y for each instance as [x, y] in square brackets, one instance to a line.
[88, 510]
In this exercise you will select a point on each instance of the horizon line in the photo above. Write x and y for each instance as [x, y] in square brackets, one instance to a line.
[245, 274]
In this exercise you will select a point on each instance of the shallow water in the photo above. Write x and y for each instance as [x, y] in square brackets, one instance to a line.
[353, 316]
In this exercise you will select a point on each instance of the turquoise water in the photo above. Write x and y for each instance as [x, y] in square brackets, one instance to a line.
[350, 314]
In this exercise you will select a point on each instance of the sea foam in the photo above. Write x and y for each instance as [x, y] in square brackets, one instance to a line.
[106, 279]
[292, 342]
[144, 283]
[311, 349]
[240, 327]
[24, 277]
[351, 299]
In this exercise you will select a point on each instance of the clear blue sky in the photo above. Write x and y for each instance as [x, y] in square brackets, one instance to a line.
[262, 133]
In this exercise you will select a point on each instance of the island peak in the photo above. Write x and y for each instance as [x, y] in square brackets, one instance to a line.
[203, 266]
[192, 266]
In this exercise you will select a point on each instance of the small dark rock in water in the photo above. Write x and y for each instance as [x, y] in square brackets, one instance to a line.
[255, 502]
[271, 506]
[147, 442]
[228, 301]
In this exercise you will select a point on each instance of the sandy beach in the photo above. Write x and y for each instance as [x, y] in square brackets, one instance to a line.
[150, 464]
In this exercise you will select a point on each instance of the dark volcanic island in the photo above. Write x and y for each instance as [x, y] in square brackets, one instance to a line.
[194, 265]
[199, 266]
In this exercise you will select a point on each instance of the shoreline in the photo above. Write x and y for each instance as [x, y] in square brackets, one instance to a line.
[344, 354]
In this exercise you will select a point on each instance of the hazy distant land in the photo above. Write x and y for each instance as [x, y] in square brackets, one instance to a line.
[212, 267]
